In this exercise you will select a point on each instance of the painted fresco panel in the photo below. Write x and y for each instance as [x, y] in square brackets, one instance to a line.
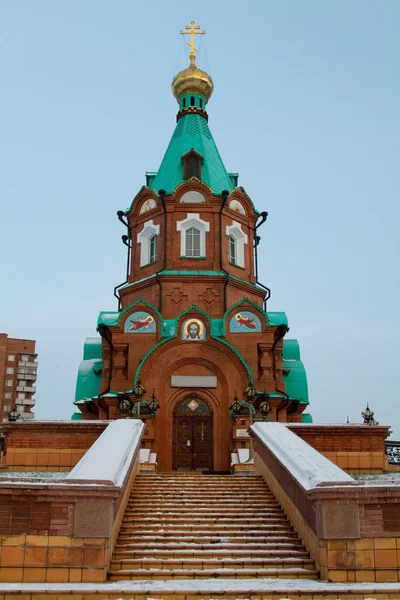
[245, 322]
[140, 322]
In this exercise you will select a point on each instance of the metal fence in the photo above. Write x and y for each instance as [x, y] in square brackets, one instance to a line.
[393, 452]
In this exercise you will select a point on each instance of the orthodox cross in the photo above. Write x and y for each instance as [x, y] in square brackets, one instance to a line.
[192, 30]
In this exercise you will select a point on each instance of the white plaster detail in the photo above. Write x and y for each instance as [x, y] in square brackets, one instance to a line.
[143, 238]
[192, 197]
[193, 220]
[148, 204]
[240, 237]
[191, 381]
[237, 206]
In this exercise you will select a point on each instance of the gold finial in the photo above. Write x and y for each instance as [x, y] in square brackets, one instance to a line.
[192, 30]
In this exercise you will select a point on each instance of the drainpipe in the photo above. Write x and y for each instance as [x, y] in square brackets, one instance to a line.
[103, 330]
[126, 241]
[225, 196]
[161, 195]
[282, 331]
[264, 216]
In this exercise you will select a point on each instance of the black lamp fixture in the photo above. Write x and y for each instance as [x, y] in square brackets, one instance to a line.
[138, 389]
[265, 408]
[14, 415]
[153, 404]
[236, 406]
[250, 393]
[368, 416]
[124, 402]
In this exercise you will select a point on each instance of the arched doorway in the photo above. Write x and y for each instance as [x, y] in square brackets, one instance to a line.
[193, 438]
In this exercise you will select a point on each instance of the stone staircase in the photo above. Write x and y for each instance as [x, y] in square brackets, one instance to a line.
[193, 526]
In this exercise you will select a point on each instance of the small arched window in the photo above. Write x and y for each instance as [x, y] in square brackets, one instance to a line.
[192, 164]
[201, 103]
[192, 242]
[232, 252]
[192, 101]
[153, 249]
[184, 103]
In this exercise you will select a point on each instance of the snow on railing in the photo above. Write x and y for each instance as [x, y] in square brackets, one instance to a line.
[308, 466]
[108, 461]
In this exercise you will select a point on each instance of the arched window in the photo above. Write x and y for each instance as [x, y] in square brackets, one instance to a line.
[147, 239]
[236, 241]
[153, 248]
[192, 242]
[232, 250]
[193, 235]
[192, 164]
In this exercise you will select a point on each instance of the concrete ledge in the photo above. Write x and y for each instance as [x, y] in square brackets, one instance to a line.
[108, 460]
[271, 589]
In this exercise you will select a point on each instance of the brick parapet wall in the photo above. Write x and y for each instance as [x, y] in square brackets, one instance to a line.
[48, 446]
[352, 531]
[61, 532]
[353, 448]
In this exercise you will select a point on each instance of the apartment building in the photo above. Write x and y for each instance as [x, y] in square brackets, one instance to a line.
[18, 371]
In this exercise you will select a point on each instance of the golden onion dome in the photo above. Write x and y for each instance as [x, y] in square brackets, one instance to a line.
[192, 81]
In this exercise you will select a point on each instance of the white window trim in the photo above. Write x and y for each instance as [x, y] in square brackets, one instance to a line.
[235, 230]
[143, 238]
[193, 220]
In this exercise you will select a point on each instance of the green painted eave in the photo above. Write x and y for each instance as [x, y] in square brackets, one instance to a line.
[88, 379]
[291, 350]
[192, 131]
[277, 318]
[306, 418]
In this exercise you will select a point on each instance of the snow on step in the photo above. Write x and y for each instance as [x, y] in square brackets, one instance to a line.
[193, 526]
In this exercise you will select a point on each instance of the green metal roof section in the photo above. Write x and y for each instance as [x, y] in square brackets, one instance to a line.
[291, 350]
[77, 416]
[92, 348]
[277, 318]
[192, 131]
[90, 370]
[180, 272]
[306, 418]
[294, 373]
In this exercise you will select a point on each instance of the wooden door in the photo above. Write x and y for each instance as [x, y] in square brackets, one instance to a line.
[192, 440]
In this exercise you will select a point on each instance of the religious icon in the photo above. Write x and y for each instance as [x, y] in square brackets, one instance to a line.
[148, 204]
[237, 206]
[193, 329]
[245, 321]
[141, 322]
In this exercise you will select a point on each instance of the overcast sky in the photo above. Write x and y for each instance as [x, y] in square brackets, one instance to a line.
[305, 108]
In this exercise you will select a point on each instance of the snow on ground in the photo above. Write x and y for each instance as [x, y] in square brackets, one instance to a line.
[33, 474]
[286, 587]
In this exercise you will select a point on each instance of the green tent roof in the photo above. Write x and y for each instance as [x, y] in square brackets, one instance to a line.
[192, 131]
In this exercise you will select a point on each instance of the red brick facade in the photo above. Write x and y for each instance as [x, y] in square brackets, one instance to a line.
[210, 289]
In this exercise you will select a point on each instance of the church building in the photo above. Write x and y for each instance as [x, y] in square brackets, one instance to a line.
[192, 349]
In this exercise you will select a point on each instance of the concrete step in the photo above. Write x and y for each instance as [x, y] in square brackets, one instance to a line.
[165, 574]
[240, 546]
[204, 527]
[182, 554]
[211, 563]
[216, 530]
[173, 520]
[170, 537]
